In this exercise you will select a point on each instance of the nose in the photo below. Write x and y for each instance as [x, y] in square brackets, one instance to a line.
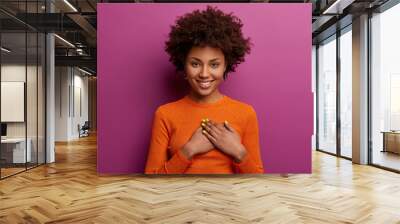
[204, 72]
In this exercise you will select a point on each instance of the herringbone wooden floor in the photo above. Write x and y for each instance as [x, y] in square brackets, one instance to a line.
[70, 191]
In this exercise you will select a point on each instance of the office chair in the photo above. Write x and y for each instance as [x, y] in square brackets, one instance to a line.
[84, 130]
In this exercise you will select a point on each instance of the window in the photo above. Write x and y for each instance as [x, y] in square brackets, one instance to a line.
[385, 88]
[346, 93]
[327, 95]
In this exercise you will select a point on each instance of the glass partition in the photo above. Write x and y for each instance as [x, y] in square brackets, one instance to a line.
[327, 95]
[41, 91]
[13, 109]
[22, 77]
[31, 100]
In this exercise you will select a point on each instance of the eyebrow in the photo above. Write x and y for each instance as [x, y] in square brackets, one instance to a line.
[210, 60]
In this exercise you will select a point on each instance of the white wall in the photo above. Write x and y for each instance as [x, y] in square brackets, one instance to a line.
[61, 103]
[81, 102]
[71, 92]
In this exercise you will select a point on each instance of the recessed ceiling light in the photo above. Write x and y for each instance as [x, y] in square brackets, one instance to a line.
[64, 40]
[86, 72]
[337, 7]
[70, 5]
[5, 50]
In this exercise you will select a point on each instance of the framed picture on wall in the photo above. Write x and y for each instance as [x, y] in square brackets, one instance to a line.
[12, 101]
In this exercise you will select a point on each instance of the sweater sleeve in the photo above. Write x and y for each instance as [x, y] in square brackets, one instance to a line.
[157, 158]
[252, 162]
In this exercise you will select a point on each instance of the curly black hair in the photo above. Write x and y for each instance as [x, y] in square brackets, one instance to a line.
[211, 27]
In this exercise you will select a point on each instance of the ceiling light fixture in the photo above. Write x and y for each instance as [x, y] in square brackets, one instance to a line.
[64, 40]
[337, 7]
[86, 72]
[70, 5]
[5, 49]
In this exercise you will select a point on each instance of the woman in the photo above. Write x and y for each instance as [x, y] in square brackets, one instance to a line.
[205, 132]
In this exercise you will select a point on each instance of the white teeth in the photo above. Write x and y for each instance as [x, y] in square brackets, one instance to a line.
[204, 84]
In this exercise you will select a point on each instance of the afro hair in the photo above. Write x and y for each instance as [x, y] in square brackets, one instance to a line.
[211, 27]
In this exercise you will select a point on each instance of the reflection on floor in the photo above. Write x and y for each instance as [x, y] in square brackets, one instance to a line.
[386, 159]
[11, 169]
[346, 152]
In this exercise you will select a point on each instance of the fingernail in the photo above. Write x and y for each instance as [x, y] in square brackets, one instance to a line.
[204, 131]
[202, 124]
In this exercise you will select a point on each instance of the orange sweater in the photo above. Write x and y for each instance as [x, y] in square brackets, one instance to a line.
[174, 124]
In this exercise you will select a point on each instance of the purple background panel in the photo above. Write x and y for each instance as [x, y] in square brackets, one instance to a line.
[135, 77]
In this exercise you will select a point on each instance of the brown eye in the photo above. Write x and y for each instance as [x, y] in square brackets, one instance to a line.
[194, 64]
[214, 65]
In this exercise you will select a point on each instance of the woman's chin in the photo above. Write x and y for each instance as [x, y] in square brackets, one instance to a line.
[204, 92]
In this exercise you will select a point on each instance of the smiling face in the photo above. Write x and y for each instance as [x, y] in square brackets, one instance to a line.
[205, 67]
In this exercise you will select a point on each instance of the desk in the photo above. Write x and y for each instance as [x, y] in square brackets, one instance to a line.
[13, 150]
[391, 141]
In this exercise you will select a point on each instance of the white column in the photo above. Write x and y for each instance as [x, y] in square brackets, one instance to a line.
[50, 100]
[50, 93]
[360, 90]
